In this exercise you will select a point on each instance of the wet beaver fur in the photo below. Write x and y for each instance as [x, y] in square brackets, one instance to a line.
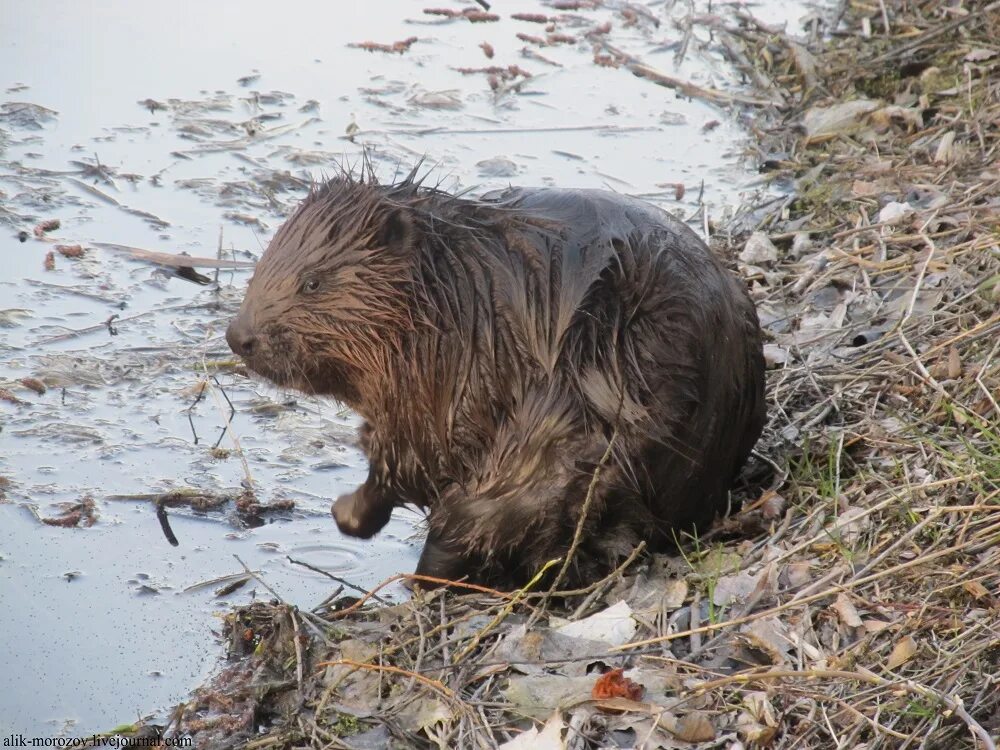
[495, 347]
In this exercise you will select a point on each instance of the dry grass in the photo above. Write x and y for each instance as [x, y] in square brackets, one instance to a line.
[853, 604]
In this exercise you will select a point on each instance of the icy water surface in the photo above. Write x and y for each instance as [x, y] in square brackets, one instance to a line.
[167, 126]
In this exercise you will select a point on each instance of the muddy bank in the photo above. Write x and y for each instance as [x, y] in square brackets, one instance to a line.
[853, 602]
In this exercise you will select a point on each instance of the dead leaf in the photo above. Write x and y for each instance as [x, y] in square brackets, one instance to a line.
[861, 188]
[675, 594]
[34, 384]
[911, 117]
[775, 355]
[799, 574]
[83, 513]
[976, 589]
[757, 723]
[773, 506]
[717, 562]
[450, 99]
[894, 213]
[821, 123]
[733, 589]
[850, 524]
[49, 225]
[423, 712]
[538, 695]
[846, 611]
[550, 738]
[613, 625]
[691, 727]
[768, 635]
[759, 250]
[902, 652]
[979, 55]
[945, 150]
[742, 586]
[954, 363]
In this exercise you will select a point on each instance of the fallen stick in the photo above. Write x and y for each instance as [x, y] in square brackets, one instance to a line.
[174, 260]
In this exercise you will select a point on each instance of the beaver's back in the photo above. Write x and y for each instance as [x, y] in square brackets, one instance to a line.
[617, 320]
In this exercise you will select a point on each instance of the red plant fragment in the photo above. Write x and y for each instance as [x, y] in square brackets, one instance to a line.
[530, 17]
[615, 684]
[46, 226]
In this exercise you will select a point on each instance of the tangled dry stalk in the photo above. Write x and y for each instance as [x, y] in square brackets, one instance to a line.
[855, 603]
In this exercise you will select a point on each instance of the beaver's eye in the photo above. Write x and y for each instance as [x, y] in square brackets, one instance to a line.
[310, 285]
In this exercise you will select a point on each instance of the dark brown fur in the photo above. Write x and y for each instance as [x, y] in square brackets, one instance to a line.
[495, 347]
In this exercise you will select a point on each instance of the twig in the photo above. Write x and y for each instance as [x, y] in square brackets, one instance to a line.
[506, 610]
[584, 511]
[435, 684]
[933, 34]
[341, 581]
[426, 579]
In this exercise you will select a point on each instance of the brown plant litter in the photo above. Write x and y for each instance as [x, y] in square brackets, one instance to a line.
[855, 601]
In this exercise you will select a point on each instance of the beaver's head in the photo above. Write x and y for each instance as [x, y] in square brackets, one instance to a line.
[328, 302]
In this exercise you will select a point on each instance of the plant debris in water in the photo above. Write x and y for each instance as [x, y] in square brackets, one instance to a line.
[855, 602]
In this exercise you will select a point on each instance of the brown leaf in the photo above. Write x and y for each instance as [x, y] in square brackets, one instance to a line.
[70, 251]
[954, 363]
[773, 506]
[946, 148]
[757, 723]
[902, 652]
[980, 54]
[769, 635]
[861, 188]
[34, 384]
[6, 395]
[799, 574]
[976, 589]
[693, 727]
[83, 512]
[48, 225]
[846, 611]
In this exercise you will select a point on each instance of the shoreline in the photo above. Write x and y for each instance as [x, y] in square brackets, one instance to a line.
[853, 602]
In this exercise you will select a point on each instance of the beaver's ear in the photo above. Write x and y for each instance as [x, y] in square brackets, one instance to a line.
[397, 231]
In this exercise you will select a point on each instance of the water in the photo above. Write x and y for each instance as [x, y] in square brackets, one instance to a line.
[97, 625]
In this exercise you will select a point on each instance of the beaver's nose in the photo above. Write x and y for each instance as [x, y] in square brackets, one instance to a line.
[240, 336]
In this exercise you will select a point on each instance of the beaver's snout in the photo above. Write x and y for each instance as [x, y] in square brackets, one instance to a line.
[240, 336]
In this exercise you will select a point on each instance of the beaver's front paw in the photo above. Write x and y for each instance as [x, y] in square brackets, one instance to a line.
[443, 562]
[358, 515]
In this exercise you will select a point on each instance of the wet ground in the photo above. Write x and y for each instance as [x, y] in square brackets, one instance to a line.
[167, 127]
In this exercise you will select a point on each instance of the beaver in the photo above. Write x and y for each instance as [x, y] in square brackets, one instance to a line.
[510, 356]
